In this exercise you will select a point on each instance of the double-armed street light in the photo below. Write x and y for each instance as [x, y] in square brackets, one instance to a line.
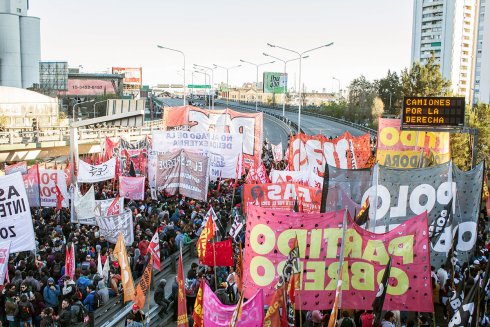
[212, 81]
[227, 85]
[300, 56]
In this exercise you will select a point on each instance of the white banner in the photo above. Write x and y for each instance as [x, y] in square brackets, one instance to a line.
[236, 227]
[15, 215]
[283, 176]
[111, 226]
[85, 205]
[277, 152]
[221, 148]
[4, 261]
[88, 173]
[48, 179]
[101, 206]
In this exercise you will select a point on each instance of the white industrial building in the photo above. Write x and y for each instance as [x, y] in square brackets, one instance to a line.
[20, 45]
[482, 63]
[447, 29]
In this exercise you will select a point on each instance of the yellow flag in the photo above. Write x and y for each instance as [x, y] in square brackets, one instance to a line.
[143, 285]
[206, 234]
[126, 277]
[197, 315]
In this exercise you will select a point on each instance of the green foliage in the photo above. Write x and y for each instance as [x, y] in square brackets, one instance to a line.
[461, 144]
[361, 96]
[424, 80]
[389, 89]
[334, 109]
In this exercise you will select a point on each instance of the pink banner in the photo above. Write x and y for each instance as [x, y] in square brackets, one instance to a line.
[217, 314]
[132, 188]
[20, 166]
[270, 234]
[92, 86]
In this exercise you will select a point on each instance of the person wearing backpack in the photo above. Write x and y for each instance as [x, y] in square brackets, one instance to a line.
[191, 288]
[78, 310]
[92, 301]
[24, 311]
[346, 320]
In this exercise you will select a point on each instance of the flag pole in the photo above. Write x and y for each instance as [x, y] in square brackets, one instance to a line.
[148, 316]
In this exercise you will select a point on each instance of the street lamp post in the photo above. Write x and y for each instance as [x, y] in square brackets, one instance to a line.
[183, 55]
[285, 84]
[300, 55]
[95, 104]
[227, 86]
[78, 104]
[257, 78]
[212, 81]
[205, 79]
[338, 81]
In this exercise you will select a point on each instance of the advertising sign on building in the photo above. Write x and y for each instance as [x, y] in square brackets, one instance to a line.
[275, 82]
[132, 76]
[79, 86]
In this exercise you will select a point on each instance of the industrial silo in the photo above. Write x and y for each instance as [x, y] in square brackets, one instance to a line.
[10, 58]
[30, 48]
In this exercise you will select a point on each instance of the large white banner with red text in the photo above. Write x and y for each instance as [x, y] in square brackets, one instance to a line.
[48, 179]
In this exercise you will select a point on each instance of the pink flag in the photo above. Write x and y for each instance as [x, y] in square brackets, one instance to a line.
[154, 248]
[132, 187]
[70, 261]
[4, 261]
[261, 174]
[217, 314]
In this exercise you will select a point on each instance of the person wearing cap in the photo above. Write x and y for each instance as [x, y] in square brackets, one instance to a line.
[50, 294]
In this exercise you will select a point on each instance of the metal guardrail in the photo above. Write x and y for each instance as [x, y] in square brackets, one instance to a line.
[84, 135]
[307, 112]
[115, 311]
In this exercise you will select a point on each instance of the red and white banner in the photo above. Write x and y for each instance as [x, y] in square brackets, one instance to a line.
[312, 152]
[115, 207]
[154, 249]
[4, 261]
[49, 179]
[277, 152]
[282, 196]
[220, 121]
[257, 176]
[132, 188]
[18, 167]
[88, 173]
[110, 148]
[70, 261]
[287, 176]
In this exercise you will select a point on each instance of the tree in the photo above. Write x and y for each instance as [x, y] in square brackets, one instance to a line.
[361, 95]
[461, 143]
[377, 110]
[424, 80]
[389, 89]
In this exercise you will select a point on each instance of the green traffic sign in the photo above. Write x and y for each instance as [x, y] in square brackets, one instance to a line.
[197, 86]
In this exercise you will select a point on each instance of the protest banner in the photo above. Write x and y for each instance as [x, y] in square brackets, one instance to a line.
[85, 206]
[102, 206]
[282, 196]
[404, 193]
[268, 243]
[183, 172]
[410, 149]
[4, 261]
[111, 226]
[15, 215]
[88, 173]
[223, 149]
[220, 121]
[220, 253]
[132, 188]
[310, 153]
[277, 152]
[217, 314]
[31, 181]
[288, 176]
[109, 147]
[49, 179]
[18, 167]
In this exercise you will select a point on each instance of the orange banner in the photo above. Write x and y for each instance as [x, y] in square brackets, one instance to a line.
[310, 153]
[126, 276]
[222, 121]
[197, 314]
[410, 149]
[143, 285]
[282, 196]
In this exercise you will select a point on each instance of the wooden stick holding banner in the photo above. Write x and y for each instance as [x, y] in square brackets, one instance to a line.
[214, 262]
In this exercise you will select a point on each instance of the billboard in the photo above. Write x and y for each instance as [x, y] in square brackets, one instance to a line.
[132, 76]
[275, 82]
[79, 86]
[430, 112]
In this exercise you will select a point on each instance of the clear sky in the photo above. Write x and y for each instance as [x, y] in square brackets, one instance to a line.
[370, 37]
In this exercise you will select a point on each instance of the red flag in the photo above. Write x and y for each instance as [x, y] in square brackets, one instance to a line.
[197, 314]
[114, 208]
[59, 199]
[70, 261]
[182, 320]
[154, 248]
[206, 234]
[224, 254]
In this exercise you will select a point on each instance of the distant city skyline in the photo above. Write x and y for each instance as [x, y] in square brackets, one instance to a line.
[370, 37]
